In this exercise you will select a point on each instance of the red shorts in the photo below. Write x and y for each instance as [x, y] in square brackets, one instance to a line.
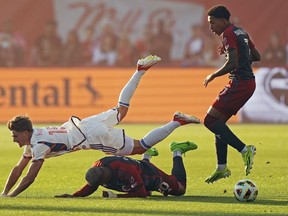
[234, 95]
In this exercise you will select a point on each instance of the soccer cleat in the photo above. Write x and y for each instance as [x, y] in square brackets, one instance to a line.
[152, 152]
[146, 63]
[183, 146]
[218, 174]
[248, 158]
[184, 119]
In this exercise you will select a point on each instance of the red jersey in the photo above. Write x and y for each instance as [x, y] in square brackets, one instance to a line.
[135, 177]
[235, 37]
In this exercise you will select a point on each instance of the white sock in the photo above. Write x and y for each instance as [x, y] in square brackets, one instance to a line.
[158, 134]
[221, 166]
[177, 153]
[244, 150]
[129, 89]
[146, 156]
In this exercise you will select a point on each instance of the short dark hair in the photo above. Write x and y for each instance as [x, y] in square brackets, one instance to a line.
[94, 176]
[20, 123]
[219, 12]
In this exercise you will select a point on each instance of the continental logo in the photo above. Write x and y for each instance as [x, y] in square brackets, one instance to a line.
[56, 93]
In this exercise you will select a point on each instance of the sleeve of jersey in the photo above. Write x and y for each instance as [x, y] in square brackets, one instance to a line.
[39, 151]
[86, 190]
[230, 40]
[250, 43]
[27, 152]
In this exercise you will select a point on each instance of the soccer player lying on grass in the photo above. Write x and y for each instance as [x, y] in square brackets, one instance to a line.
[137, 178]
[95, 132]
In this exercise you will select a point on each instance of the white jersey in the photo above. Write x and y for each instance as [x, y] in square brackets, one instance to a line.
[95, 132]
[47, 142]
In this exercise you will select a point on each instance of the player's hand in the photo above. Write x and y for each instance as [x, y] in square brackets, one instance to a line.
[109, 194]
[5, 195]
[208, 79]
[64, 196]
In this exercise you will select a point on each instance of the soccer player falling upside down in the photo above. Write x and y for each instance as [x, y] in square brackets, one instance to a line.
[240, 52]
[93, 132]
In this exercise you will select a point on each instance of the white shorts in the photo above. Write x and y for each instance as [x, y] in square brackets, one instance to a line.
[101, 135]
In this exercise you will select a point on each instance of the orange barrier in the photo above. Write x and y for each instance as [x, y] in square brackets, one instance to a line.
[52, 95]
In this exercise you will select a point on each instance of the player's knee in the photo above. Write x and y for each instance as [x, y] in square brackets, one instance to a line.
[182, 189]
[181, 192]
[137, 148]
[209, 121]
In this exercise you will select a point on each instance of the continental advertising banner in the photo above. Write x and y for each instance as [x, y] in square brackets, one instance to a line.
[53, 95]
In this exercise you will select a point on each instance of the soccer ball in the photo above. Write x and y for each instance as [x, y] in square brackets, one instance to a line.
[245, 190]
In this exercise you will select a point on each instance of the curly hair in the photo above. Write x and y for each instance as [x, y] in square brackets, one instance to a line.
[219, 12]
[20, 123]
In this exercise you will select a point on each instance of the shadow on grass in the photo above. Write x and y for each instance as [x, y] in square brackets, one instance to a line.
[28, 210]
[217, 199]
[104, 210]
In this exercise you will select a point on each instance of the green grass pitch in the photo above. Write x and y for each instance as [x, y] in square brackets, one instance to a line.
[65, 174]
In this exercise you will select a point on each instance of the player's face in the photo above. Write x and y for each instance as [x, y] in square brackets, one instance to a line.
[22, 138]
[217, 26]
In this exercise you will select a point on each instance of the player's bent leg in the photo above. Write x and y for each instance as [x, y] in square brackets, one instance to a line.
[182, 189]
[138, 148]
[128, 147]
[221, 129]
[131, 147]
[129, 89]
[178, 190]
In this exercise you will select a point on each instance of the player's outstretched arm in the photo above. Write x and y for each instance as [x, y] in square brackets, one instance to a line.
[15, 174]
[228, 66]
[28, 179]
[86, 190]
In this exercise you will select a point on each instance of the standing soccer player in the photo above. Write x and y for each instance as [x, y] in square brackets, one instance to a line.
[240, 52]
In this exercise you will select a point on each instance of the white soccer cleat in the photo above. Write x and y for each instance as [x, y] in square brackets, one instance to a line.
[146, 63]
[184, 119]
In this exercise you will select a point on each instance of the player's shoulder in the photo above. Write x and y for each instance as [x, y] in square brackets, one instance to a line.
[229, 30]
[235, 30]
[39, 132]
